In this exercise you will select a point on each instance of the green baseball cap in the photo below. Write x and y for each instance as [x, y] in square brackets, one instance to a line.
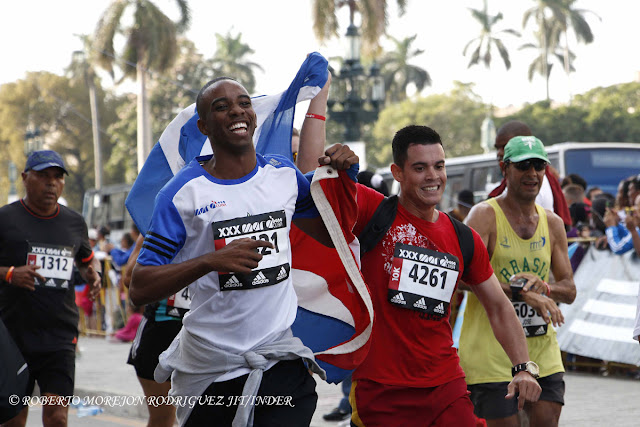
[522, 148]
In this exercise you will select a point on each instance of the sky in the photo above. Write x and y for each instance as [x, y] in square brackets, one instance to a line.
[41, 35]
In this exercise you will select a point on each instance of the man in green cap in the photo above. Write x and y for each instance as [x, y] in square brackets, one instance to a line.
[525, 243]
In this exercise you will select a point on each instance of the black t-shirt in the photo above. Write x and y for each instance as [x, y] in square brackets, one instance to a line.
[45, 319]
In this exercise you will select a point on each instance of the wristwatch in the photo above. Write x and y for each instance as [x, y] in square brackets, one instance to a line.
[530, 367]
[516, 286]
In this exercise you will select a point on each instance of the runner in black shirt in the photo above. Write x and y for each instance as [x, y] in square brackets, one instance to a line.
[39, 242]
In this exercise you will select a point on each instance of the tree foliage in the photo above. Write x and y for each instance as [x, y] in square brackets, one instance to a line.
[456, 116]
[488, 39]
[231, 60]
[603, 114]
[59, 109]
[373, 14]
[397, 71]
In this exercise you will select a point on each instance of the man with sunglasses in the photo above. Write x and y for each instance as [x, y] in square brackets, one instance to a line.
[550, 195]
[526, 243]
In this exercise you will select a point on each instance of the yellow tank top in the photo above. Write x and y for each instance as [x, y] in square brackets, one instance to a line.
[481, 355]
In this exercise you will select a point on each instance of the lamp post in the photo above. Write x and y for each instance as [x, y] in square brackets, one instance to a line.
[32, 140]
[356, 97]
[487, 134]
[13, 175]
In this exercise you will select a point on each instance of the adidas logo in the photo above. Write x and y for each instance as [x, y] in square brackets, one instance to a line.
[233, 282]
[540, 331]
[398, 299]
[65, 284]
[420, 304]
[282, 274]
[439, 308]
[526, 332]
[260, 279]
[50, 282]
[174, 312]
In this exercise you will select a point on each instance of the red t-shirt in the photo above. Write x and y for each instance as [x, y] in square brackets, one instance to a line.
[409, 348]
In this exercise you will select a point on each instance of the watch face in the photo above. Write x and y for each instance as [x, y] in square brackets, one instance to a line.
[533, 369]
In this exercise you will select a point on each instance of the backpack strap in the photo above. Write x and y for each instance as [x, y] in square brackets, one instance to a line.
[379, 224]
[384, 216]
[465, 240]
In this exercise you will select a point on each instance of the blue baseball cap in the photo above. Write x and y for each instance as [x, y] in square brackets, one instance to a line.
[39, 160]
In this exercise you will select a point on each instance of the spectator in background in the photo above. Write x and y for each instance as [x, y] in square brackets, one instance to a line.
[633, 190]
[598, 227]
[375, 181]
[550, 195]
[622, 199]
[622, 227]
[103, 239]
[93, 238]
[464, 205]
[592, 192]
[120, 256]
[575, 179]
[573, 193]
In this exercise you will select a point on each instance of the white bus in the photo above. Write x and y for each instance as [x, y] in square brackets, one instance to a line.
[601, 164]
[105, 207]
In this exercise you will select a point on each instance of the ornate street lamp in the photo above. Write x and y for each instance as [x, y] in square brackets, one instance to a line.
[356, 96]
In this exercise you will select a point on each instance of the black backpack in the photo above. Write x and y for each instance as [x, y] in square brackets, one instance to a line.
[383, 217]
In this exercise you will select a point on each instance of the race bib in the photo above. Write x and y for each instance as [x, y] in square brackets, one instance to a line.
[178, 304]
[532, 323]
[422, 279]
[274, 266]
[55, 262]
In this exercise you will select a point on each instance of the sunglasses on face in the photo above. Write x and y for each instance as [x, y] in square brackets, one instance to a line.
[525, 165]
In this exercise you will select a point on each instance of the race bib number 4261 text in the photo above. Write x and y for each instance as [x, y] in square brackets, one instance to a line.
[422, 279]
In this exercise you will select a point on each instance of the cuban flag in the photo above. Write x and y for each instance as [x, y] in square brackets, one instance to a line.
[335, 313]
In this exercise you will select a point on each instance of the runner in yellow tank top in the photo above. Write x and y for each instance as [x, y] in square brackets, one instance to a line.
[523, 241]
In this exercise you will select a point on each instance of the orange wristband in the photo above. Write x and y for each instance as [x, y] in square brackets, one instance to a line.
[548, 289]
[315, 116]
[9, 275]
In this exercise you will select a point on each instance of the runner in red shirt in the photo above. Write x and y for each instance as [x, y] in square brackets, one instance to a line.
[412, 375]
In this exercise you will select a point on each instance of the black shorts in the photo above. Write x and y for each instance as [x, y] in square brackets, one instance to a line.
[289, 385]
[151, 339]
[489, 402]
[54, 371]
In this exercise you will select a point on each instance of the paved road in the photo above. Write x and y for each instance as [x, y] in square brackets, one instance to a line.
[591, 400]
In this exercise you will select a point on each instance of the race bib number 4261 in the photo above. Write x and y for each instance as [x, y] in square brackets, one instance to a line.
[422, 279]
[55, 262]
[274, 266]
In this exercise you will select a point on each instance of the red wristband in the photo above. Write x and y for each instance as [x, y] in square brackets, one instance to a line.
[548, 289]
[9, 275]
[315, 116]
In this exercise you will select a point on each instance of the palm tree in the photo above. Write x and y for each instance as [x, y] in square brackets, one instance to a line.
[488, 39]
[556, 17]
[150, 46]
[541, 63]
[575, 20]
[398, 72]
[82, 70]
[230, 60]
[373, 13]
